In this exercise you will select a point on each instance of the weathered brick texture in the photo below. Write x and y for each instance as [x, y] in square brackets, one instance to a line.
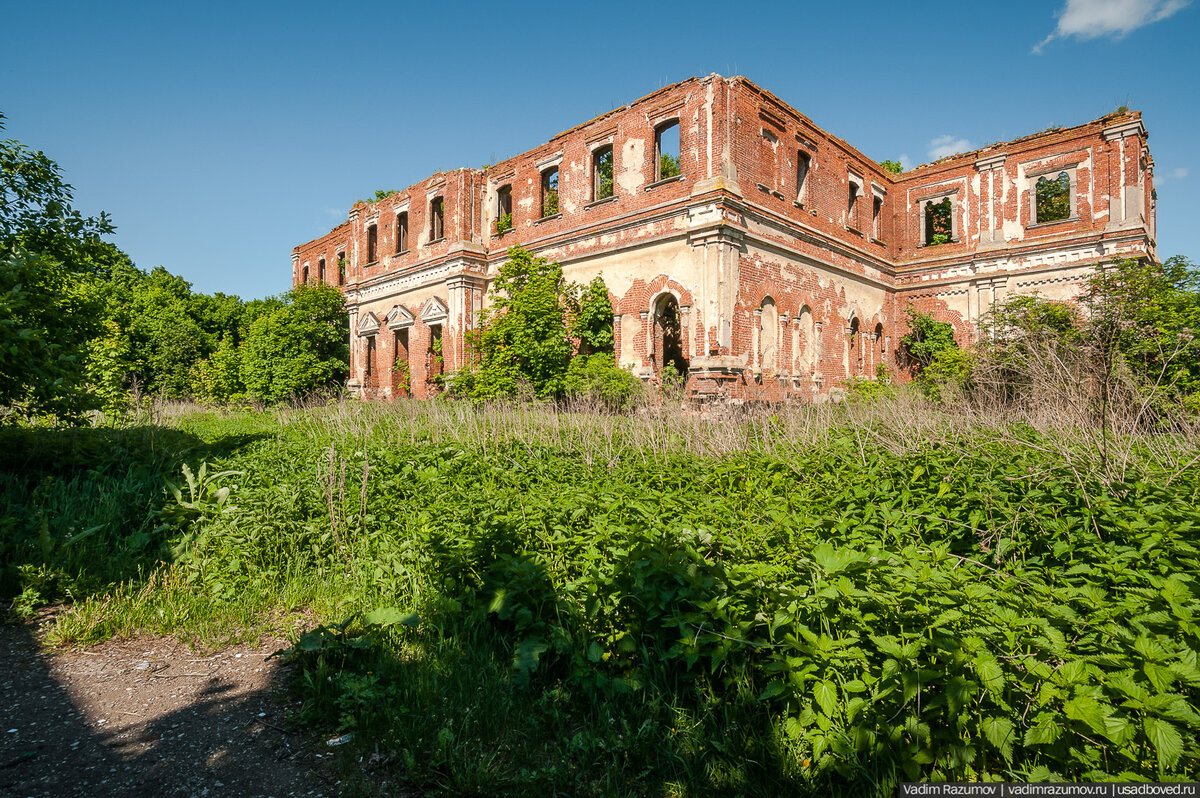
[785, 256]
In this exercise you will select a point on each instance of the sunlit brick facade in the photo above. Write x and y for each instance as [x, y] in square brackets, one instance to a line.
[776, 263]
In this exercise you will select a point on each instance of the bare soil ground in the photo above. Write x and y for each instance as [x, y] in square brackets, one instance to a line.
[150, 717]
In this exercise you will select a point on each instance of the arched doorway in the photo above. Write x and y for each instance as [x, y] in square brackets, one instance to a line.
[668, 336]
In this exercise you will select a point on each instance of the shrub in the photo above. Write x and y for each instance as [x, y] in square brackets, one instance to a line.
[597, 378]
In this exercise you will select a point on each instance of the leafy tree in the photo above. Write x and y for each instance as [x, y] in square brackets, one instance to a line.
[1053, 198]
[523, 337]
[299, 347]
[50, 258]
[668, 166]
[604, 170]
[219, 376]
[926, 340]
[1148, 316]
[526, 337]
[45, 322]
[892, 166]
[593, 321]
[597, 377]
[939, 226]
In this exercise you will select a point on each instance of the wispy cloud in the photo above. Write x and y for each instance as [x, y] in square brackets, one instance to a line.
[906, 162]
[1175, 174]
[947, 145]
[336, 212]
[1091, 19]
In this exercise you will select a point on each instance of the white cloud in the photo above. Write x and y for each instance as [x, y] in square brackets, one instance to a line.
[947, 145]
[1091, 19]
[906, 162]
[1175, 174]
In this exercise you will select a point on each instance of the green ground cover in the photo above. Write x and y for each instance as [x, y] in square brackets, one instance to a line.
[527, 601]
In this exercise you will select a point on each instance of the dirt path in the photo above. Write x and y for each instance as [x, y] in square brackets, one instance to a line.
[149, 717]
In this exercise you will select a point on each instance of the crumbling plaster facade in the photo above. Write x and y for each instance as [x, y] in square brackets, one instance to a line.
[784, 257]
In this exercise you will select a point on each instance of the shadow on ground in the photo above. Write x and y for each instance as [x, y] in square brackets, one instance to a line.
[149, 717]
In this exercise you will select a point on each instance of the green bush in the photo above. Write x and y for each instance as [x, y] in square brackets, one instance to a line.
[597, 378]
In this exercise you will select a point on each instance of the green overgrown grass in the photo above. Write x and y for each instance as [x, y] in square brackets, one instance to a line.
[811, 601]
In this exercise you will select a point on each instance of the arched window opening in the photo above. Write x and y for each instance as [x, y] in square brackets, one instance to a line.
[602, 173]
[372, 244]
[856, 352]
[666, 151]
[668, 336]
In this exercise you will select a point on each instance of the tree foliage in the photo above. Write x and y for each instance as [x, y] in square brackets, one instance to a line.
[298, 348]
[926, 340]
[894, 167]
[528, 336]
[50, 259]
[523, 337]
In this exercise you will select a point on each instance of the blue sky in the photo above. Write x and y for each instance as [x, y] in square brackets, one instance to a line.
[220, 135]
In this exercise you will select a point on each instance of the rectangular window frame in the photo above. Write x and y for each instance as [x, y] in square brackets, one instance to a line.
[803, 171]
[662, 127]
[547, 192]
[437, 219]
[934, 199]
[504, 209]
[372, 244]
[401, 232]
[597, 179]
[1073, 194]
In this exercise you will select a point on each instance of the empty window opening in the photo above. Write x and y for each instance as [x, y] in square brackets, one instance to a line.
[855, 346]
[400, 371]
[879, 341]
[550, 192]
[1053, 201]
[768, 335]
[436, 221]
[504, 209]
[939, 223]
[369, 366]
[433, 355]
[304, 274]
[666, 151]
[401, 233]
[803, 164]
[372, 244]
[602, 173]
[877, 218]
[852, 205]
[341, 264]
[667, 346]
[321, 271]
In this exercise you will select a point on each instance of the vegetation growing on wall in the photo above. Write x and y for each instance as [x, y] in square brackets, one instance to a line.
[527, 338]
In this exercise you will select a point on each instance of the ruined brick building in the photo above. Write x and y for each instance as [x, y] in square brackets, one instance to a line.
[762, 256]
